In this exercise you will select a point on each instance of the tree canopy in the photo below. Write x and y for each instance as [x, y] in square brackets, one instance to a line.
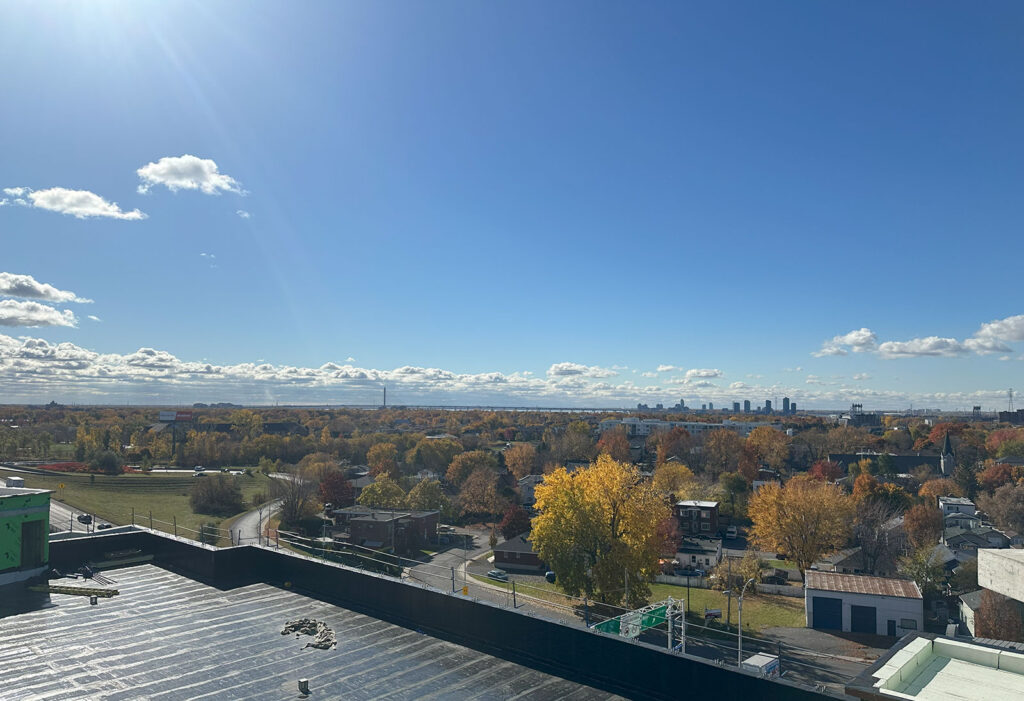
[599, 525]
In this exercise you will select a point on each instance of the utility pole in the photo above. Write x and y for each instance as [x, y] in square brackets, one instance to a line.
[728, 584]
[627, 586]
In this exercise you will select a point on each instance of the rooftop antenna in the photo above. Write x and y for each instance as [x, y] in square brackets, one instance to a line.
[385, 396]
[1009, 394]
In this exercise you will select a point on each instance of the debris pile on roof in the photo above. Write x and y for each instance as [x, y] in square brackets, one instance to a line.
[323, 637]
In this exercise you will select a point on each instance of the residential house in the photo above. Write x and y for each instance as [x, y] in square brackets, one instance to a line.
[517, 554]
[526, 487]
[395, 530]
[695, 552]
[696, 517]
[969, 604]
[956, 505]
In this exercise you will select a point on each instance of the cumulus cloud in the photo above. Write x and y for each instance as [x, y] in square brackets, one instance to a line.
[16, 313]
[93, 317]
[648, 374]
[703, 372]
[668, 368]
[27, 287]
[813, 380]
[860, 340]
[861, 376]
[923, 347]
[578, 370]
[187, 173]
[1009, 329]
[80, 204]
[243, 214]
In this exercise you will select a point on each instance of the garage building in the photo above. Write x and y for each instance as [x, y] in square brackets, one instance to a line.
[856, 603]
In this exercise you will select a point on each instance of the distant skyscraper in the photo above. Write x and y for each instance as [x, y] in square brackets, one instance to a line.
[792, 408]
[711, 406]
[767, 406]
[735, 407]
[746, 406]
[785, 405]
[703, 407]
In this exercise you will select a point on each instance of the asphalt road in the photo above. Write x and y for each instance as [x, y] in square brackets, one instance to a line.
[63, 516]
[246, 528]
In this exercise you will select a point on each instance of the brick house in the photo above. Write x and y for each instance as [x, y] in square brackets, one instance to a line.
[696, 518]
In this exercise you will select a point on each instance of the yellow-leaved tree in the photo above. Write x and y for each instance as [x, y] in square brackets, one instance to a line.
[672, 478]
[806, 518]
[599, 529]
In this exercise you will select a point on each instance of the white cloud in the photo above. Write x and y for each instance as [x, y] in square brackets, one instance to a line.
[1009, 329]
[80, 204]
[16, 191]
[986, 346]
[861, 376]
[27, 287]
[668, 368]
[93, 317]
[578, 370]
[923, 347]
[15, 313]
[703, 372]
[648, 374]
[860, 340]
[738, 385]
[813, 380]
[243, 214]
[187, 173]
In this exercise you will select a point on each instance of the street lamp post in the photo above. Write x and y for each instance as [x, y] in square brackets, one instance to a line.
[739, 647]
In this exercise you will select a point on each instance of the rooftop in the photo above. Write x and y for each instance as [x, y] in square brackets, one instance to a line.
[962, 501]
[518, 544]
[165, 636]
[862, 584]
[942, 669]
[698, 503]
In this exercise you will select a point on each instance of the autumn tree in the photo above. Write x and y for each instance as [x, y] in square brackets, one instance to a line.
[672, 478]
[965, 577]
[515, 522]
[997, 474]
[847, 439]
[247, 423]
[599, 525]
[465, 464]
[218, 495]
[614, 443]
[806, 518]
[427, 495]
[480, 494]
[826, 470]
[925, 568]
[923, 525]
[1005, 506]
[383, 493]
[675, 443]
[873, 523]
[336, 489]
[382, 459]
[769, 446]
[734, 488]
[521, 459]
[434, 454]
[942, 487]
[722, 449]
[998, 617]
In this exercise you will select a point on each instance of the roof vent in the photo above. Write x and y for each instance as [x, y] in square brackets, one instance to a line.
[304, 686]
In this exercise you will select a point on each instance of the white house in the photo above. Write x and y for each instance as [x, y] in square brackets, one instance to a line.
[860, 604]
[956, 505]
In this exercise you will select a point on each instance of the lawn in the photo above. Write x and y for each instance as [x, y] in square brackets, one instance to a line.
[760, 611]
[112, 498]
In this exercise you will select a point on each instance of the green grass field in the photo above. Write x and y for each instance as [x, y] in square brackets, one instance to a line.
[112, 498]
[759, 611]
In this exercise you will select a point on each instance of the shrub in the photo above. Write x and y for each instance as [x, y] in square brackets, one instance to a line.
[218, 495]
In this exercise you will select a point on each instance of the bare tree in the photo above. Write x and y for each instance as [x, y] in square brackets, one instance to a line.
[297, 491]
[875, 531]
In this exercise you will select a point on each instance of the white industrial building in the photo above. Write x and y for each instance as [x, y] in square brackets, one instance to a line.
[856, 603]
[645, 427]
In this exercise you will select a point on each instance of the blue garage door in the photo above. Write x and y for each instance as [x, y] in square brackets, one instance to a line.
[863, 619]
[828, 613]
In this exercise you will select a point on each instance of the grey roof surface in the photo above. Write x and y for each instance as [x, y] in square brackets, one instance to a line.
[166, 636]
[861, 584]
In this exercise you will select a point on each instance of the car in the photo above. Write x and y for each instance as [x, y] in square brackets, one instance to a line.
[500, 575]
[199, 468]
[84, 518]
[104, 526]
[731, 532]
[691, 573]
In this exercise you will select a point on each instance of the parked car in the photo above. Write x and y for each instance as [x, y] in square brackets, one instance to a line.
[500, 575]
[84, 518]
[104, 526]
[731, 532]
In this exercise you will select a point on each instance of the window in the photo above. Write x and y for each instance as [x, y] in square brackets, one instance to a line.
[693, 559]
[705, 514]
[908, 624]
[705, 526]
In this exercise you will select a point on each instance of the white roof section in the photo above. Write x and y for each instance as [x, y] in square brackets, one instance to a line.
[947, 670]
[698, 503]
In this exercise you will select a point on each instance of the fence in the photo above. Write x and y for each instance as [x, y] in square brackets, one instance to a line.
[781, 589]
[695, 582]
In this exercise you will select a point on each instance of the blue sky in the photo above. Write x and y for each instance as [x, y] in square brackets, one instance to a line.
[525, 203]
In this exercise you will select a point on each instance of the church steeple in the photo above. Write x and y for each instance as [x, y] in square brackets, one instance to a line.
[946, 456]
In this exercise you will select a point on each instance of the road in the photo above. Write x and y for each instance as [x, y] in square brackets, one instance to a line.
[63, 516]
[246, 528]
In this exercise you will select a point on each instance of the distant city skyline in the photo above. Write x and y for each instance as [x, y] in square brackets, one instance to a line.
[579, 204]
